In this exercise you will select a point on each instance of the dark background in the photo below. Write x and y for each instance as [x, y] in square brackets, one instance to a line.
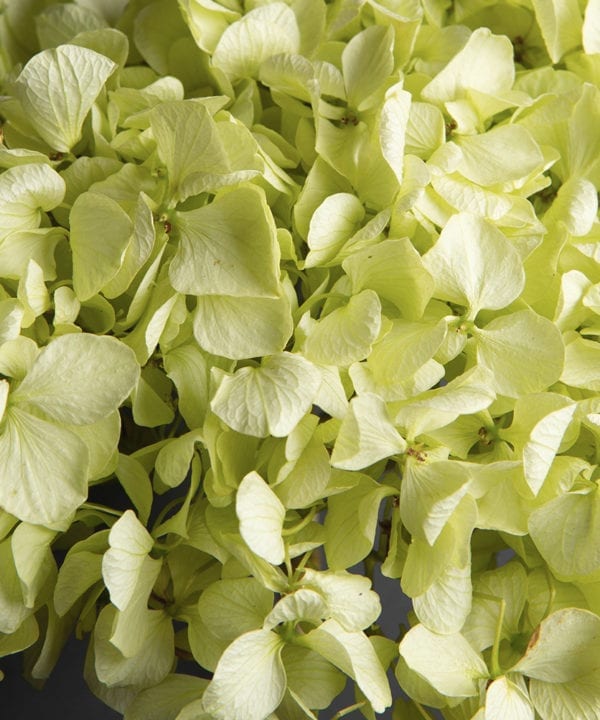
[66, 695]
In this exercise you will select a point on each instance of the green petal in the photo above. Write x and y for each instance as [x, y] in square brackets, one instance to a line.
[473, 264]
[581, 363]
[591, 28]
[21, 246]
[4, 388]
[564, 647]
[560, 22]
[366, 435]
[12, 608]
[351, 521]
[468, 393]
[508, 584]
[250, 680]
[305, 480]
[79, 379]
[187, 366]
[44, 469]
[228, 247]
[58, 87]
[312, 678]
[24, 637]
[207, 21]
[187, 142]
[506, 700]
[395, 271]
[226, 609]
[332, 224]
[301, 605]
[165, 700]
[100, 234]
[347, 333]
[261, 517]
[12, 313]
[149, 666]
[348, 597]
[543, 445]
[79, 571]
[445, 605]
[367, 62]
[233, 607]
[136, 483]
[270, 399]
[392, 128]
[26, 191]
[501, 155]
[261, 33]
[576, 700]
[242, 327]
[125, 561]
[58, 24]
[354, 655]
[566, 531]
[447, 662]
[523, 351]
[430, 494]
[174, 458]
[34, 561]
[485, 64]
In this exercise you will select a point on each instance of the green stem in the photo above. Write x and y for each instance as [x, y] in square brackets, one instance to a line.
[495, 657]
[297, 274]
[300, 567]
[496, 670]
[551, 590]
[348, 710]
[422, 711]
[313, 300]
[370, 562]
[176, 428]
[167, 508]
[167, 547]
[60, 283]
[101, 508]
[306, 520]
[288, 562]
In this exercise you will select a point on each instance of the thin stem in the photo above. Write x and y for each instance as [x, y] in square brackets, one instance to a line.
[313, 300]
[167, 508]
[176, 428]
[422, 711]
[297, 274]
[306, 520]
[370, 562]
[551, 590]
[101, 508]
[496, 671]
[288, 562]
[349, 709]
[301, 564]
[60, 283]
[166, 547]
[183, 654]
[495, 657]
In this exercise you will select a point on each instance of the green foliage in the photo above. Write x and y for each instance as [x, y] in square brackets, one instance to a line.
[303, 285]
